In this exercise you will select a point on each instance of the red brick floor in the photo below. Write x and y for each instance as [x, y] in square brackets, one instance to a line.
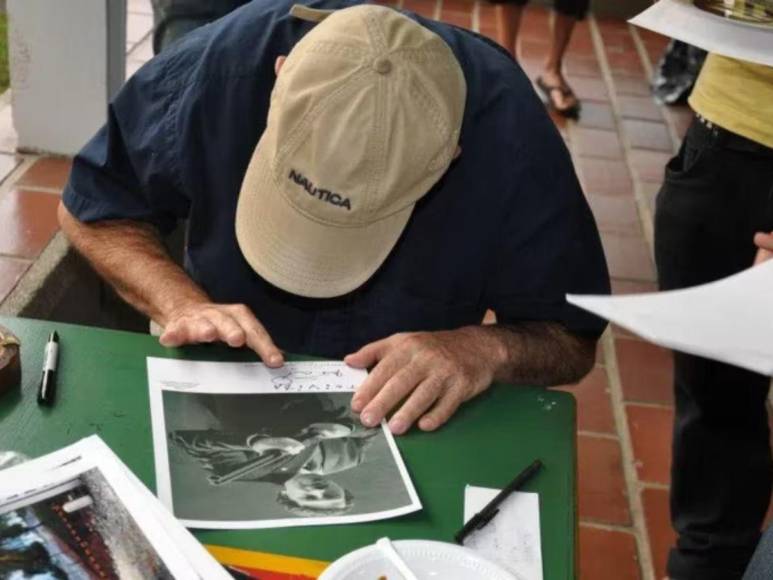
[620, 560]
[620, 145]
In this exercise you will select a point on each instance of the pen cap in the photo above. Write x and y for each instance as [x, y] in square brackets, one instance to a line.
[51, 358]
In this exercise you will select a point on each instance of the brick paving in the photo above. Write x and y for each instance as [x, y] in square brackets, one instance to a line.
[620, 146]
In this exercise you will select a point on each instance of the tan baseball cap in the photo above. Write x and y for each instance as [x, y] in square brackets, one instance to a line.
[364, 119]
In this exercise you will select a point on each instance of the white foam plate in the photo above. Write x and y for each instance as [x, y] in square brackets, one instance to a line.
[427, 559]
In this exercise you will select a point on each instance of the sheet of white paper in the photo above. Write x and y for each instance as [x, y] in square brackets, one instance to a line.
[183, 555]
[681, 20]
[728, 320]
[218, 383]
[512, 538]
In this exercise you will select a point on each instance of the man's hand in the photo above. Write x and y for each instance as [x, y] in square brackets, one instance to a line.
[130, 256]
[233, 324]
[765, 244]
[435, 371]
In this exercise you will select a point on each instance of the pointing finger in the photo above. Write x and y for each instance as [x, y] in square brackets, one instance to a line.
[257, 338]
[260, 341]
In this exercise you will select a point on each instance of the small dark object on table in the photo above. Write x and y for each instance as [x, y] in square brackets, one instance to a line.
[10, 361]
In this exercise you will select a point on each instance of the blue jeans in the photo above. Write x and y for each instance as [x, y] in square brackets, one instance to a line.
[761, 565]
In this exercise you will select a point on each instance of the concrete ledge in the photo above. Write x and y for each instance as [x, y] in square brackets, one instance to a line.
[43, 285]
[61, 286]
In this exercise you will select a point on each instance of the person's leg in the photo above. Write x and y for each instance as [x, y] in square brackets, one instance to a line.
[553, 76]
[720, 481]
[508, 24]
[712, 202]
[552, 82]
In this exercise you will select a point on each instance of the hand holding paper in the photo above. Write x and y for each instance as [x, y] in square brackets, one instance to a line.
[765, 244]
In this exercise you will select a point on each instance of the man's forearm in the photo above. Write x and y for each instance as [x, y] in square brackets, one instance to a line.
[129, 255]
[537, 353]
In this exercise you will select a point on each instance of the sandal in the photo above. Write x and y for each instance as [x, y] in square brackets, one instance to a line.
[548, 92]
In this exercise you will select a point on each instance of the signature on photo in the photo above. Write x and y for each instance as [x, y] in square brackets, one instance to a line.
[307, 380]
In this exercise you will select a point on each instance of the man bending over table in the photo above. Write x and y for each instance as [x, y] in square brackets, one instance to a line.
[400, 179]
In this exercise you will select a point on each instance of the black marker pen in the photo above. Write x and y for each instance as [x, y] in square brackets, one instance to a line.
[47, 390]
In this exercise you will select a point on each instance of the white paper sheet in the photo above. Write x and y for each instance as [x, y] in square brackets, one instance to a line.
[512, 538]
[729, 320]
[205, 414]
[29, 482]
[681, 20]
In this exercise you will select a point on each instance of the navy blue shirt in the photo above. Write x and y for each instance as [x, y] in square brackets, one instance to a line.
[506, 228]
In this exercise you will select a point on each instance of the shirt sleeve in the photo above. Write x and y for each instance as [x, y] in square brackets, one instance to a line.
[549, 243]
[128, 169]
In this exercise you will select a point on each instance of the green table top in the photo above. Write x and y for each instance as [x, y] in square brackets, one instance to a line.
[102, 388]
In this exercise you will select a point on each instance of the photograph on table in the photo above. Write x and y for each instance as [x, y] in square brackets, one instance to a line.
[79, 513]
[78, 529]
[272, 459]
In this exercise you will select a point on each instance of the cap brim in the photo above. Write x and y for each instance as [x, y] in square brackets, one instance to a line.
[299, 254]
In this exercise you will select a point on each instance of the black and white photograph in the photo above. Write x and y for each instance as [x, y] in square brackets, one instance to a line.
[77, 530]
[240, 446]
[278, 459]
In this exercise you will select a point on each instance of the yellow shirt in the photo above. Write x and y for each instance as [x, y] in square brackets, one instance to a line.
[737, 96]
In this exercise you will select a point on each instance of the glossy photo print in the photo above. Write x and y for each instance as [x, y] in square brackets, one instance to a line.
[274, 459]
[77, 530]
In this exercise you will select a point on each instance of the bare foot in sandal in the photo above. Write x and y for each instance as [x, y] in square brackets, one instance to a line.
[558, 94]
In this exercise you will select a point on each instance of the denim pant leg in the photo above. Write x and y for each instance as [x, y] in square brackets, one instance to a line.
[761, 565]
[712, 202]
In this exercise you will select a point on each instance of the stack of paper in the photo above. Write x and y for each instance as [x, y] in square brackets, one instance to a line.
[80, 513]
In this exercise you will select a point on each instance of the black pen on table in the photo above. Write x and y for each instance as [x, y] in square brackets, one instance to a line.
[47, 390]
[491, 509]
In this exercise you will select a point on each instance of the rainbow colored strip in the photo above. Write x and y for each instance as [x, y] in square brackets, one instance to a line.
[266, 566]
